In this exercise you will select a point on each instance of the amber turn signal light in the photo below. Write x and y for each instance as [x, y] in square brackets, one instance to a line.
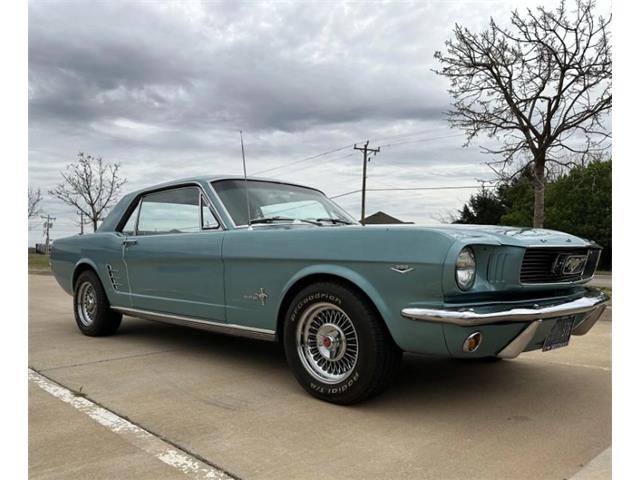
[472, 342]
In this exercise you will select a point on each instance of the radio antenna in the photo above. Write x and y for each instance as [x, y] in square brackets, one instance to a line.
[246, 183]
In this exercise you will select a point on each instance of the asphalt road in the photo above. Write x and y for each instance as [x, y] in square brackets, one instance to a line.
[233, 403]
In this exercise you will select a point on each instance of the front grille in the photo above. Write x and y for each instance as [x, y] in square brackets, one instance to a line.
[538, 265]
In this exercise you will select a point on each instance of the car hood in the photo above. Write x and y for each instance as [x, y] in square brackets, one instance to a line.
[489, 234]
[469, 234]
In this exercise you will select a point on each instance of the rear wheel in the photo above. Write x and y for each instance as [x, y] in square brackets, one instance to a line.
[93, 314]
[337, 345]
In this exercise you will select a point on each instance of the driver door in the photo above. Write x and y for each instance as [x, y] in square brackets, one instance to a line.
[174, 257]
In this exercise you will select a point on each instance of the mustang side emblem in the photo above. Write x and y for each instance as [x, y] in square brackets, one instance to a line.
[262, 296]
[402, 268]
[569, 264]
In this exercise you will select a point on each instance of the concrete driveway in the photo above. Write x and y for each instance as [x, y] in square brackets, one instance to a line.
[232, 403]
[602, 281]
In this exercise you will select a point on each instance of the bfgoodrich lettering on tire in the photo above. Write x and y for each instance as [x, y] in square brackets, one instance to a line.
[337, 345]
[94, 316]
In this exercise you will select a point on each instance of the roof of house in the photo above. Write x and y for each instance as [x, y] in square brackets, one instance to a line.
[381, 218]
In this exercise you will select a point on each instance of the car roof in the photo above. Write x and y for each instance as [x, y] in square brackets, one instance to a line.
[214, 178]
[109, 224]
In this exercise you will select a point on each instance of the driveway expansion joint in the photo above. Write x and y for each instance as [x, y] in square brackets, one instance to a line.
[104, 360]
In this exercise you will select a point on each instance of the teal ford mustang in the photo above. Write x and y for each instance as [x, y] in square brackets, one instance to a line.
[281, 262]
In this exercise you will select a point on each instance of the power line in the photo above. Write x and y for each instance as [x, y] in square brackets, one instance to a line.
[338, 149]
[404, 135]
[423, 140]
[397, 189]
[306, 159]
[313, 165]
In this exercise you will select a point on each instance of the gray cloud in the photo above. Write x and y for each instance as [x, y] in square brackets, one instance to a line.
[164, 87]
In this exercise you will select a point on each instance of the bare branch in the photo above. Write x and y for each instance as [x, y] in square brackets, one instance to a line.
[35, 197]
[91, 186]
[532, 86]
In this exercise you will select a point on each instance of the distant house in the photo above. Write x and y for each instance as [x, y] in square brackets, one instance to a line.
[381, 218]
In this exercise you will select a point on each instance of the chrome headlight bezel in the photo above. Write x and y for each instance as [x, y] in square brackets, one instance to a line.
[465, 269]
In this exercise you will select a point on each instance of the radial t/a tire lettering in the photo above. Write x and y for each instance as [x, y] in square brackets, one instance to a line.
[336, 344]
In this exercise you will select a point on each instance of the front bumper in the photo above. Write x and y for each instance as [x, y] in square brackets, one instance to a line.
[467, 317]
[587, 309]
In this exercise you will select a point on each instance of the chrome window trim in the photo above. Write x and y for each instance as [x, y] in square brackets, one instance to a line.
[217, 327]
[208, 205]
[245, 226]
[138, 209]
[126, 216]
[212, 207]
[222, 205]
[221, 225]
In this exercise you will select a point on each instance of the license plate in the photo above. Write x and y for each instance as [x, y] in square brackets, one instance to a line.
[560, 334]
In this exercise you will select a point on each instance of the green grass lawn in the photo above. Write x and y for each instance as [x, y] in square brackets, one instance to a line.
[38, 262]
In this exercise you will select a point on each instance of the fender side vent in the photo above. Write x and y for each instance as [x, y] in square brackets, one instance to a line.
[114, 276]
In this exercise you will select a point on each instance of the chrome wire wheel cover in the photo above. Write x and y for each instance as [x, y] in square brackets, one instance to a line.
[86, 304]
[327, 343]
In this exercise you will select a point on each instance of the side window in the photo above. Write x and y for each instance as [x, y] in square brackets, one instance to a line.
[130, 227]
[170, 211]
[209, 221]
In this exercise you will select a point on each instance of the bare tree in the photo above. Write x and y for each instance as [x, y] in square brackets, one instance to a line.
[91, 185]
[540, 88]
[35, 197]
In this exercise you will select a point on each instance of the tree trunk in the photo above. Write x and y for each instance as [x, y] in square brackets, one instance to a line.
[94, 221]
[538, 186]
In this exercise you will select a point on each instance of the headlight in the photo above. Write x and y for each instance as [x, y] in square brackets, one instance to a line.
[465, 268]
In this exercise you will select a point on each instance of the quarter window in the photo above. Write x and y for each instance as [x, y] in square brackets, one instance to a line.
[209, 221]
[170, 211]
[130, 227]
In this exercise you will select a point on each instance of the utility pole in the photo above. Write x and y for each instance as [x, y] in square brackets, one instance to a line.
[48, 224]
[366, 152]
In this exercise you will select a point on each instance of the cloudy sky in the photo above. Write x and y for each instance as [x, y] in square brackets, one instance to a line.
[163, 88]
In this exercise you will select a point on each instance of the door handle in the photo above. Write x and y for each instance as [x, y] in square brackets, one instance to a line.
[129, 241]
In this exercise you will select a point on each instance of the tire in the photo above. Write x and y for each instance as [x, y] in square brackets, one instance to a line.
[93, 314]
[337, 345]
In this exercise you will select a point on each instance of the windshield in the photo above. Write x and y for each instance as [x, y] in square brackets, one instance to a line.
[278, 202]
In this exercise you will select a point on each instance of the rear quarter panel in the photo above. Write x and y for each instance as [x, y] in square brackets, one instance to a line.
[95, 250]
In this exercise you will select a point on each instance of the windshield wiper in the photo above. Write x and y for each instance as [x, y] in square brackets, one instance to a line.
[281, 219]
[334, 221]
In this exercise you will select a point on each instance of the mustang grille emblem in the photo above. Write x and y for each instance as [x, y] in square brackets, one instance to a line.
[569, 264]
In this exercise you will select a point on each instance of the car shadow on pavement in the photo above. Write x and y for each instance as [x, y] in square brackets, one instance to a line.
[423, 381]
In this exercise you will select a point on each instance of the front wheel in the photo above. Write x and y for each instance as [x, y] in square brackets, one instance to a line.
[93, 314]
[337, 345]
